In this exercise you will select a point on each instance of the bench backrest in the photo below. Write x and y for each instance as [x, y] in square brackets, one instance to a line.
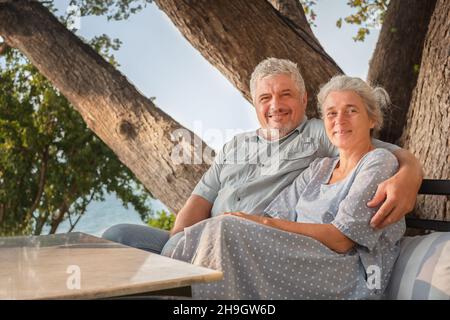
[431, 187]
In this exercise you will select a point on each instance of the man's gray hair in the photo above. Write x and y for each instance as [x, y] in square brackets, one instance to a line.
[272, 67]
[376, 99]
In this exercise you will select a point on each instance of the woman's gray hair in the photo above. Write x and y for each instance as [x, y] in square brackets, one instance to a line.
[376, 99]
[272, 67]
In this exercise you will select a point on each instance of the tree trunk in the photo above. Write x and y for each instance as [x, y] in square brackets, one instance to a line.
[293, 10]
[58, 217]
[130, 124]
[40, 223]
[41, 183]
[234, 36]
[2, 212]
[427, 133]
[397, 57]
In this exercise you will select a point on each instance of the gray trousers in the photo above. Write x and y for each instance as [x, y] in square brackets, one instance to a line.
[143, 237]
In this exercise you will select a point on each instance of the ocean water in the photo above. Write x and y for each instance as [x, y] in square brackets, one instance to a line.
[99, 216]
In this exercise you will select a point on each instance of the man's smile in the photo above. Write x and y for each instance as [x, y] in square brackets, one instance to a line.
[278, 116]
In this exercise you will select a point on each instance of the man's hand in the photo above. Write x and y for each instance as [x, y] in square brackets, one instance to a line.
[400, 195]
[400, 191]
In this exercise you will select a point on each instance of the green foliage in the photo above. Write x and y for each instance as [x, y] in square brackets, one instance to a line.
[369, 14]
[103, 44]
[309, 11]
[163, 220]
[113, 9]
[51, 165]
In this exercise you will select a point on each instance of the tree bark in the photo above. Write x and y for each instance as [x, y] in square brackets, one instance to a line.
[234, 36]
[58, 217]
[139, 133]
[3, 48]
[397, 57]
[40, 223]
[427, 133]
[293, 10]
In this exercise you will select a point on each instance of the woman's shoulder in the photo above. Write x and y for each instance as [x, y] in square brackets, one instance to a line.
[380, 156]
[381, 153]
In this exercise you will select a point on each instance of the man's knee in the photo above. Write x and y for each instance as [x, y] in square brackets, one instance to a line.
[138, 236]
[117, 233]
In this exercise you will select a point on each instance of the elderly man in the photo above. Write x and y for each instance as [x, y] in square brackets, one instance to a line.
[238, 182]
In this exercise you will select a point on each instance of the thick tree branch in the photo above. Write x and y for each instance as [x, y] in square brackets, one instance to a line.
[293, 10]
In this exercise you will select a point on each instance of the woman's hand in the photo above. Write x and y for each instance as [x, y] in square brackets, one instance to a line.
[252, 217]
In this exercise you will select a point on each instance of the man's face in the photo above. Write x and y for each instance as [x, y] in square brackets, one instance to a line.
[279, 103]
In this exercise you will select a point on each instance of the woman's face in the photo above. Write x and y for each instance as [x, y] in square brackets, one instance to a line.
[346, 120]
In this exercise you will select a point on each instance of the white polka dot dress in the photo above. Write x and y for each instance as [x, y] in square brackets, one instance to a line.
[261, 262]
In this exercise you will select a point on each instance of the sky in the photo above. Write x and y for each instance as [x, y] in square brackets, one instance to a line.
[161, 63]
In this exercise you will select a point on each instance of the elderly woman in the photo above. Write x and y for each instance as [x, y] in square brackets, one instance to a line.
[314, 240]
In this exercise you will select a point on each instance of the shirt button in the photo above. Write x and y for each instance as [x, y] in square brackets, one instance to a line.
[238, 199]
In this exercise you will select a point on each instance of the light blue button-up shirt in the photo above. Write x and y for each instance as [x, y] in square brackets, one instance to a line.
[250, 171]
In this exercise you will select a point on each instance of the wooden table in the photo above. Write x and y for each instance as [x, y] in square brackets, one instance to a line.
[81, 266]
